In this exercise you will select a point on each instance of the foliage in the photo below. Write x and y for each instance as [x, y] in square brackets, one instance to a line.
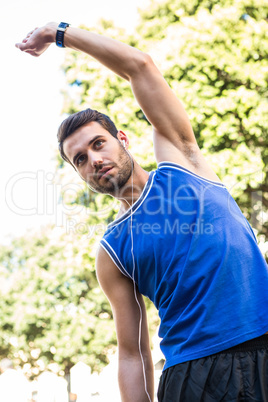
[52, 310]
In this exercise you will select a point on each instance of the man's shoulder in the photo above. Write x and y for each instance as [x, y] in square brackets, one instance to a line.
[199, 172]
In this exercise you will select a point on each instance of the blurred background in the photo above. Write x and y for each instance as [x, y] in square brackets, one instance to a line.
[214, 56]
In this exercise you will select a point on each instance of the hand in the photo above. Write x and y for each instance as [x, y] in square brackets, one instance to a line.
[39, 39]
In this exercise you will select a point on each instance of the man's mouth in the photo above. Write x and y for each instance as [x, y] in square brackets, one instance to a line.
[104, 172]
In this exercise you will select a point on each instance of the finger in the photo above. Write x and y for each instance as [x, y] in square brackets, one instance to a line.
[21, 46]
[32, 31]
[25, 40]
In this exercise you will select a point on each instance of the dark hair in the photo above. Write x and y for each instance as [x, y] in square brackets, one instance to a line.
[79, 119]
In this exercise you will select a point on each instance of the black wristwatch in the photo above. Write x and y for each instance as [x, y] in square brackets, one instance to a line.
[60, 33]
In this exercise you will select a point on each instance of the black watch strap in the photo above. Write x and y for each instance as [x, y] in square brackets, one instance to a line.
[60, 33]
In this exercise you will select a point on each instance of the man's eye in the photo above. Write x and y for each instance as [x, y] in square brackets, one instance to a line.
[80, 160]
[98, 143]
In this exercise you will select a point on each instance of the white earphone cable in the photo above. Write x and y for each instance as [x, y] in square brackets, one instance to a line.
[133, 280]
[133, 269]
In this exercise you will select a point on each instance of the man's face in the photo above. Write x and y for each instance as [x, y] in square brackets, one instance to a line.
[99, 158]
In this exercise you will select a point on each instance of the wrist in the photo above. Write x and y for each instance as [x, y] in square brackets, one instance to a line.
[51, 31]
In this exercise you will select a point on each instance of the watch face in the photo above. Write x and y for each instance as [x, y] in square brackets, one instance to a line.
[63, 25]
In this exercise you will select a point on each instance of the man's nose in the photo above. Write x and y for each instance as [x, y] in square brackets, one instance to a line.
[96, 159]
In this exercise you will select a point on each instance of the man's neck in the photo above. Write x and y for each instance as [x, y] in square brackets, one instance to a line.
[133, 188]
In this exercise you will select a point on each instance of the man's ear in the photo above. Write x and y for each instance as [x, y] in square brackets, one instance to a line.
[122, 137]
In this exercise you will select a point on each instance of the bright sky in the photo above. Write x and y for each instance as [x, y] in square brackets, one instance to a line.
[31, 102]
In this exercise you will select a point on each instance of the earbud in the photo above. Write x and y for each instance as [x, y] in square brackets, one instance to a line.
[124, 143]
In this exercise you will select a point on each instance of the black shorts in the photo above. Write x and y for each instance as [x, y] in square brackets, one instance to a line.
[236, 374]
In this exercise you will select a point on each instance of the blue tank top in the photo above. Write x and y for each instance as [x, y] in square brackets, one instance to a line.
[197, 259]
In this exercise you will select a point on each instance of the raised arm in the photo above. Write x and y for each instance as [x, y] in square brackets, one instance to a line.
[174, 139]
[126, 312]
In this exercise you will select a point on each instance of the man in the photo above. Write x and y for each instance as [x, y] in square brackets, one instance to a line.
[179, 239]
